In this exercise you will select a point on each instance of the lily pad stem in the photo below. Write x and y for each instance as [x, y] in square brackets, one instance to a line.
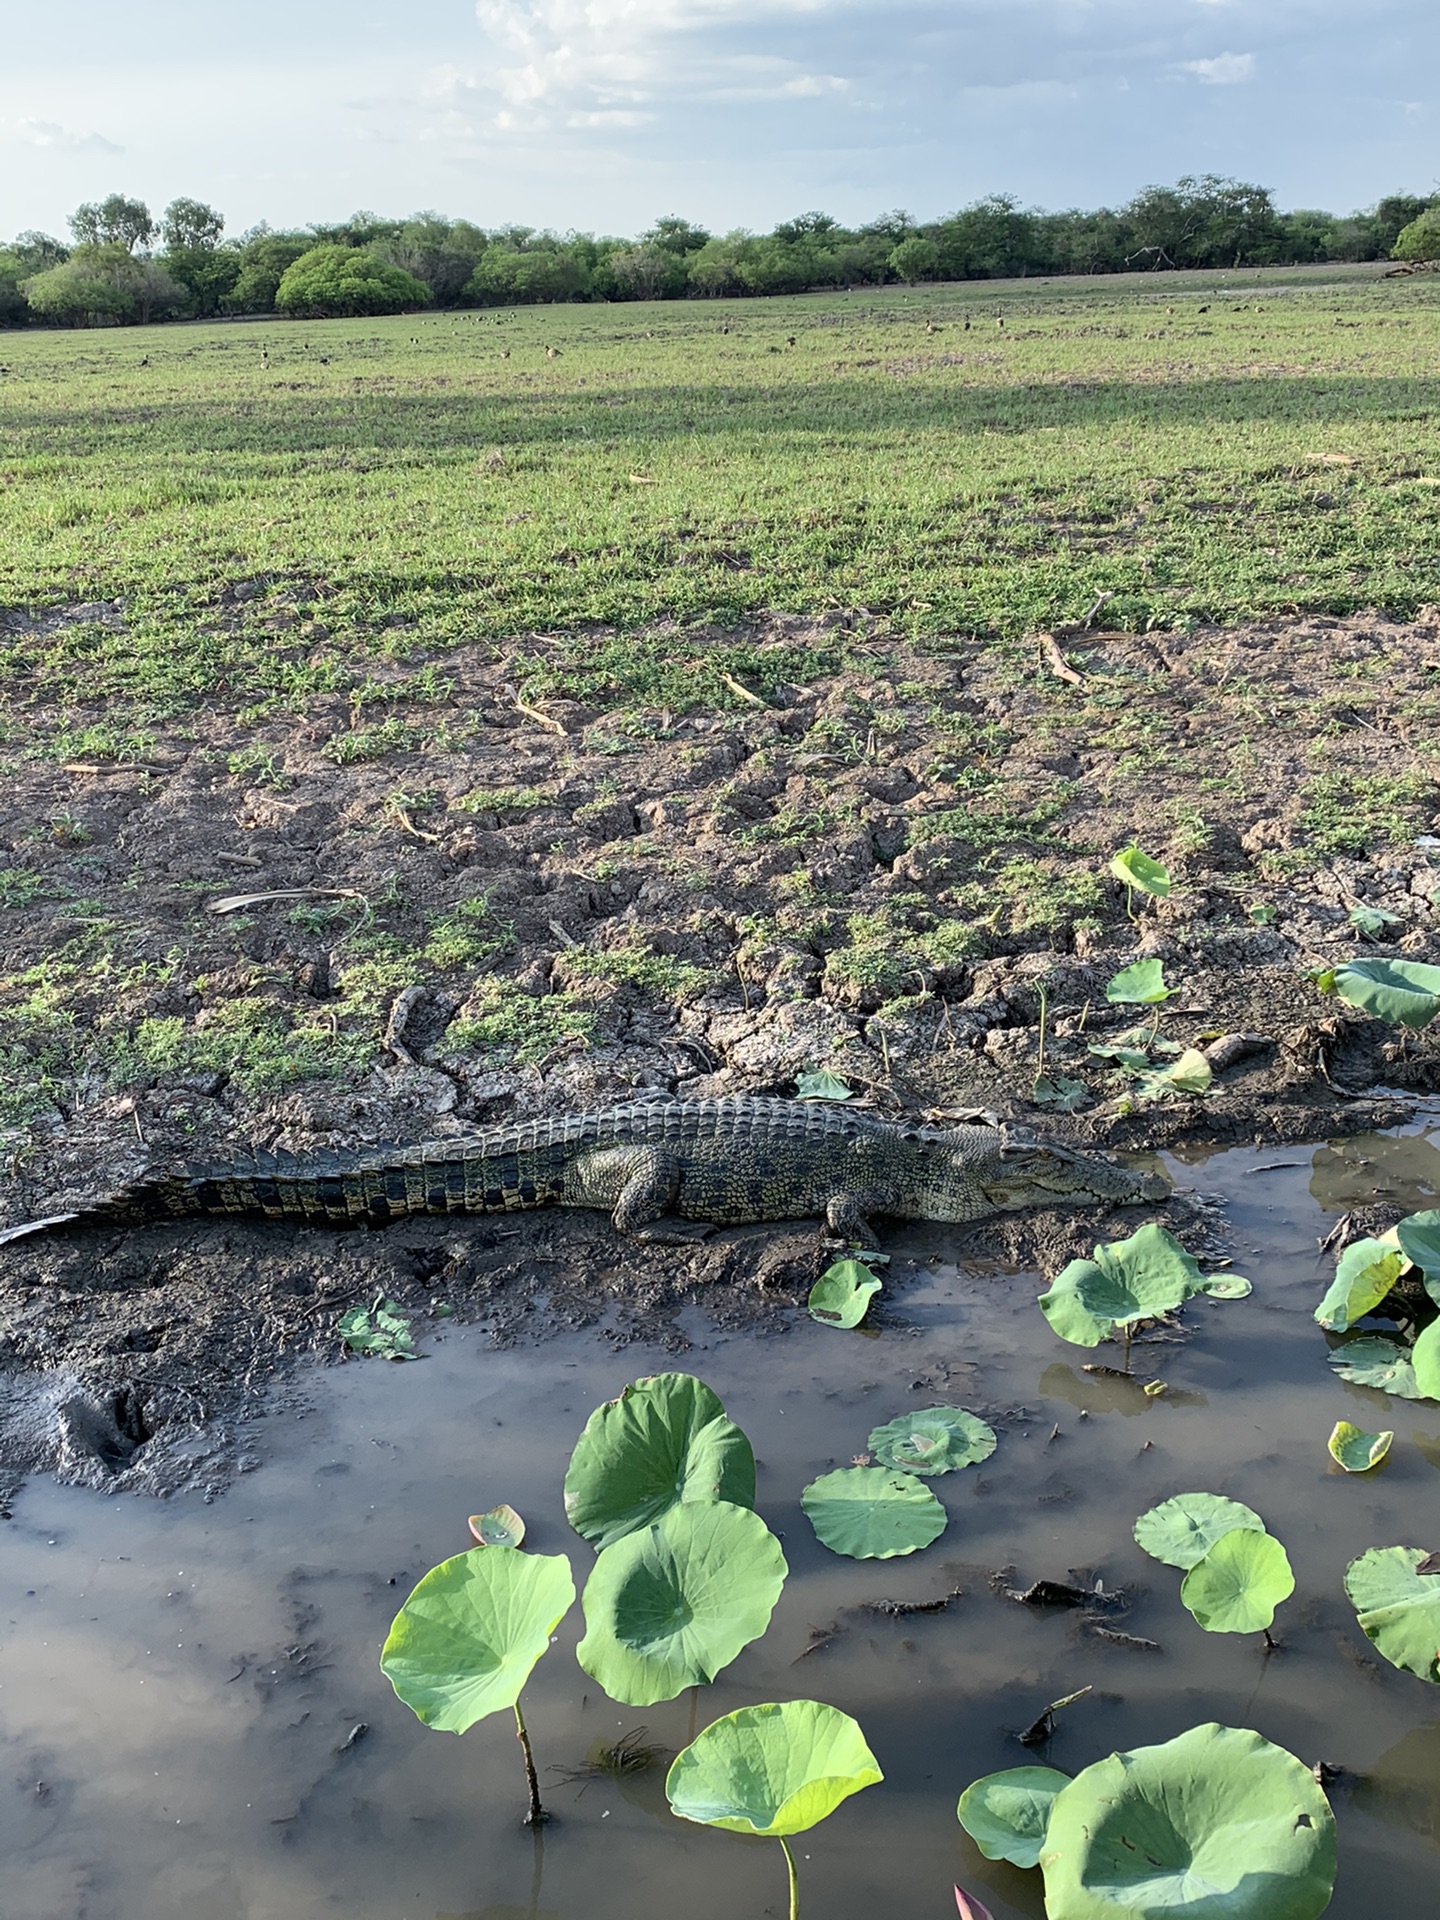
[537, 1816]
[794, 1881]
[1127, 1331]
[1044, 1010]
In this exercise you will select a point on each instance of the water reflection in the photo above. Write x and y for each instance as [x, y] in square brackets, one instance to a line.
[1372, 1167]
[1403, 1788]
[1110, 1393]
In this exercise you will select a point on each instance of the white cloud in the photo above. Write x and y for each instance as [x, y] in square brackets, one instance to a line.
[1225, 70]
[48, 133]
[579, 57]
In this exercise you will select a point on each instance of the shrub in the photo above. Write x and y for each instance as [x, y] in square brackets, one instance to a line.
[328, 282]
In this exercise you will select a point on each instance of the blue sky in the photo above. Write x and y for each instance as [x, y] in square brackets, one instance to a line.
[604, 113]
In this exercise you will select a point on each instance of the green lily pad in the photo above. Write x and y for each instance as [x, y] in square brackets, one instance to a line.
[465, 1642]
[664, 1441]
[1366, 1272]
[1398, 1607]
[1226, 1286]
[1191, 1073]
[1419, 1240]
[936, 1441]
[841, 1296]
[821, 1084]
[1136, 1279]
[773, 1769]
[1425, 1359]
[870, 1513]
[1372, 921]
[1057, 1090]
[1180, 1532]
[1142, 984]
[1404, 993]
[1379, 1363]
[1006, 1814]
[1138, 870]
[1355, 1450]
[500, 1527]
[671, 1605]
[1239, 1584]
[1215, 1825]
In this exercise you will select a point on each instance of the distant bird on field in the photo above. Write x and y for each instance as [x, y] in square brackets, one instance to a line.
[967, 323]
[1202, 309]
[505, 353]
[324, 360]
[552, 353]
[789, 339]
[145, 360]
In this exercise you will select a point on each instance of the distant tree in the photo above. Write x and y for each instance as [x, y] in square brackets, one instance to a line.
[14, 308]
[894, 226]
[362, 229]
[330, 281]
[209, 276]
[443, 253]
[103, 285]
[674, 235]
[532, 277]
[647, 273]
[1392, 215]
[993, 239]
[39, 250]
[112, 222]
[806, 226]
[915, 259]
[1310, 235]
[186, 226]
[264, 256]
[1420, 241]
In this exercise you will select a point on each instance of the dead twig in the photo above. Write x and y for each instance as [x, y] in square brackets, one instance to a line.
[546, 720]
[743, 693]
[239, 902]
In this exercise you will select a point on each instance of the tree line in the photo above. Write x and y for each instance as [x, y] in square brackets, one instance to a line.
[123, 266]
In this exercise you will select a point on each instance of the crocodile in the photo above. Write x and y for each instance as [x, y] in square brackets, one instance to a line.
[727, 1162]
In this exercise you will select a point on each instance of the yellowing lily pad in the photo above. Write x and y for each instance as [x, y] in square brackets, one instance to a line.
[1355, 1450]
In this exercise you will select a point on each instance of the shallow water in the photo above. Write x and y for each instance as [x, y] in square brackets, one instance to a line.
[176, 1679]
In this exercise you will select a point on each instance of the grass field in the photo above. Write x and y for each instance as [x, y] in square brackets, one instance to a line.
[1202, 446]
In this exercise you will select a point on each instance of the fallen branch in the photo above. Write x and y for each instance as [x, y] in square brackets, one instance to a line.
[744, 692]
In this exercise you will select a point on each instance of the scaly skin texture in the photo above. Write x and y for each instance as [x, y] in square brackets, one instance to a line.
[729, 1162]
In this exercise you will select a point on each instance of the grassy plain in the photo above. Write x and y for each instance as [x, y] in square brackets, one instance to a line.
[1204, 447]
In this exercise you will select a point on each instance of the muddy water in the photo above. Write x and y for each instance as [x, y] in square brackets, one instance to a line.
[178, 1681]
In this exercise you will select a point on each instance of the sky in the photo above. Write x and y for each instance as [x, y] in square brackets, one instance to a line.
[603, 114]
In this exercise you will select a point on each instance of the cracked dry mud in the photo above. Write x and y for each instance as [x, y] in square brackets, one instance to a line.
[886, 869]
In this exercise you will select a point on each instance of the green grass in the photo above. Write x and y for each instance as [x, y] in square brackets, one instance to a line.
[276, 530]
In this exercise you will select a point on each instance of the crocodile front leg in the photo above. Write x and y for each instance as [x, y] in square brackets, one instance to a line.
[846, 1213]
[635, 1184]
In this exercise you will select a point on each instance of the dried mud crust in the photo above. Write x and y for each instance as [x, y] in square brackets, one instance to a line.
[886, 865]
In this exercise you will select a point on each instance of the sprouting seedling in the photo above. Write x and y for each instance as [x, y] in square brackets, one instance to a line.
[775, 1770]
[466, 1641]
[1054, 1090]
[1140, 874]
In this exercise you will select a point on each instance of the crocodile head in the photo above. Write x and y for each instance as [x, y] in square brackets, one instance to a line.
[1015, 1170]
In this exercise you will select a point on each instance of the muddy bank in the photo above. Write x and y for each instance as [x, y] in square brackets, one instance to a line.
[507, 890]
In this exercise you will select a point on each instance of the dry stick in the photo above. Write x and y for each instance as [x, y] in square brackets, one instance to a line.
[744, 692]
[542, 719]
[238, 902]
[537, 1815]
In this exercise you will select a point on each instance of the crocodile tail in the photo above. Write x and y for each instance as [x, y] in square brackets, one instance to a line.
[148, 1199]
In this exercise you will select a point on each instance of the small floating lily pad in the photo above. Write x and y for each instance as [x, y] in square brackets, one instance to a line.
[1180, 1532]
[870, 1513]
[1355, 1450]
[1227, 1286]
[500, 1527]
[1366, 1272]
[1379, 1363]
[841, 1296]
[1006, 1814]
[936, 1441]
[1398, 1607]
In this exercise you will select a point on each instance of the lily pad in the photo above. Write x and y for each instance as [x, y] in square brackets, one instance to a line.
[1142, 984]
[1398, 1607]
[1425, 1359]
[1138, 870]
[1180, 1532]
[1006, 1814]
[936, 1441]
[841, 1296]
[1239, 1584]
[774, 1769]
[500, 1527]
[1372, 921]
[1217, 1823]
[1227, 1286]
[1419, 1240]
[664, 1441]
[1404, 993]
[1136, 1279]
[1191, 1073]
[671, 1605]
[870, 1513]
[1379, 1363]
[1366, 1272]
[465, 1642]
[1355, 1450]
[821, 1084]
[1057, 1090]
